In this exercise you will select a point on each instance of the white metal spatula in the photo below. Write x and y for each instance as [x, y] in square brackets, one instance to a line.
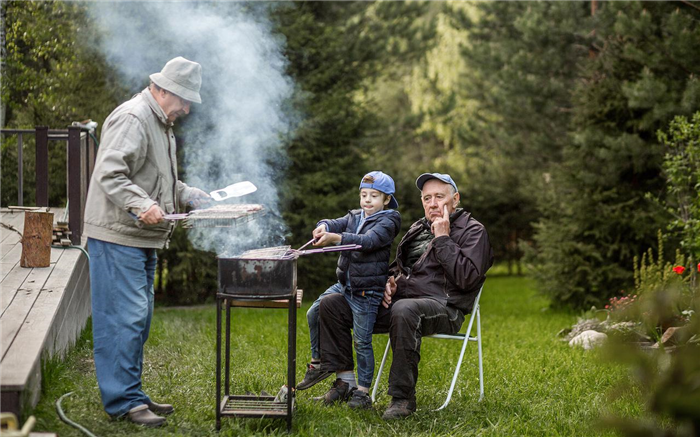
[234, 190]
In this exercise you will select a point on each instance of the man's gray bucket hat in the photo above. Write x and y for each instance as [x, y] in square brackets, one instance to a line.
[181, 77]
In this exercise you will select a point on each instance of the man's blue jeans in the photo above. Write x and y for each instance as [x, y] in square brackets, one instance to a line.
[121, 279]
[364, 313]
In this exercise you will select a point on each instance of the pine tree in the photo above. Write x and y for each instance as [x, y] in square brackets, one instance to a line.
[51, 76]
[595, 217]
[337, 51]
[522, 57]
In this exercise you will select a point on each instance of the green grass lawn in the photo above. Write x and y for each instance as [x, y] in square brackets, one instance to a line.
[535, 384]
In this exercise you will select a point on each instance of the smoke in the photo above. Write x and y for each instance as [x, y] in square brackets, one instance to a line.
[237, 132]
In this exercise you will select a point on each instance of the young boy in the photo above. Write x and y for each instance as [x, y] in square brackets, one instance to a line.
[362, 276]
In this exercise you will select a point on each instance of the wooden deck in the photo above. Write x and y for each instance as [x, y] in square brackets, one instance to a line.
[42, 312]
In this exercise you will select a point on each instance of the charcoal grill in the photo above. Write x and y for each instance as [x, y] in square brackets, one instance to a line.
[258, 276]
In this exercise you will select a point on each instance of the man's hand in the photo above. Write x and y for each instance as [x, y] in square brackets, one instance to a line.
[152, 216]
[389, 290]
[198, 198]
[441, 225]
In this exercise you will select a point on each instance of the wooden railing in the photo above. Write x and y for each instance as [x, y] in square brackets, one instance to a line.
[82, 151]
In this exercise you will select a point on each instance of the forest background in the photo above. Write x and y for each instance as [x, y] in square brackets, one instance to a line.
[547, 114]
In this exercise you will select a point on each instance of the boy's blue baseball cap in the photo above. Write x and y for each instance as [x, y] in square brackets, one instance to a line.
[425, 177]
[381, 182]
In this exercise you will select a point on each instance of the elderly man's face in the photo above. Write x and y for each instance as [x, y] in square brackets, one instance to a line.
[174, 106]
[435, 196]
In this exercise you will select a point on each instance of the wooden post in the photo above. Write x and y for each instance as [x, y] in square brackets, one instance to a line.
[36, 241]
[42, 166]
[75, 188]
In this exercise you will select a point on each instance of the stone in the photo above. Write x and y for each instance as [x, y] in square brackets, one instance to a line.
[581, 326]
[588, 339]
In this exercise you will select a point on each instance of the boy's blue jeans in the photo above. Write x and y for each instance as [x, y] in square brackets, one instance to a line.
[364, 313]
[121, 279]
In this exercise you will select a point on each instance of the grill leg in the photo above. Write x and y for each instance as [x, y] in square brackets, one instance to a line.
[227, 376]
[218, 364]
[291, 358]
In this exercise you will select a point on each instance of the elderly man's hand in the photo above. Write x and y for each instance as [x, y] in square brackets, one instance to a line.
[441, 225]
[198, 198]
[389, 290]
[153, 216]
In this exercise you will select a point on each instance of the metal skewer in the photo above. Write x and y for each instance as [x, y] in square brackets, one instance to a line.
[313, 240]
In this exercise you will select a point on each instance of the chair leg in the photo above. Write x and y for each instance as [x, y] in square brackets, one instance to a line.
[481, 355]
[379, 373]
[456, 374]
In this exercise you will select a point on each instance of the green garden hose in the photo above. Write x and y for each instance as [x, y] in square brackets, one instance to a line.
[61, 414]
[80, 248]
[65, 418]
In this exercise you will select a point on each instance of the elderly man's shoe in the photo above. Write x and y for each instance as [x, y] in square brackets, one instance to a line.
[399, 408]
[340, 392]
[160, 408]
[313, 376]
[141, 415]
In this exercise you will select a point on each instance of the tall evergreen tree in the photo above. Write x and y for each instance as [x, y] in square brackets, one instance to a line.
[523, 62]
[334, 50]
[596, 219]
[3, 62]
[51, 76]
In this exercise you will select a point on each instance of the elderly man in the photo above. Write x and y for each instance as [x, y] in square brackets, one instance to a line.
[440, 265]
[133, 185]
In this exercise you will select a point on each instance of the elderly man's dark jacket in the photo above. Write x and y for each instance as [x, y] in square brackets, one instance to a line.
[368, 266]
[452, 269]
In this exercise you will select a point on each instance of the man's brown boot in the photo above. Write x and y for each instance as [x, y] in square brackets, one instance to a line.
[141, 415]
[399, 408]
[160, 408]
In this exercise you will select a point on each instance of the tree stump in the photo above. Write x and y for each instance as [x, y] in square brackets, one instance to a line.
[36, 240]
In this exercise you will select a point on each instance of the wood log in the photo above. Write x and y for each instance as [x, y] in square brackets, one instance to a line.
[36, 241]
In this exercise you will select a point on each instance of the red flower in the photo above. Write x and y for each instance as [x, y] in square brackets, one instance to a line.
[698, 267]
[679, 269]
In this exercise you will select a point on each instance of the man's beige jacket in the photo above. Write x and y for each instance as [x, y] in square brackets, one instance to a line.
[136, 168]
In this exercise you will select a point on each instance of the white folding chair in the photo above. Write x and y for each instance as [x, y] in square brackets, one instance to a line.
[464, 338]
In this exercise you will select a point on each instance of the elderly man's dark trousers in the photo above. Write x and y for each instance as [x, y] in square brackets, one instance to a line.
[407, 321]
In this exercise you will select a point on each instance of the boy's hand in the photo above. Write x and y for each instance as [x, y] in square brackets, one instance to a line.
[389, 290]
[327, 238]
[319, 231]
[441, 226]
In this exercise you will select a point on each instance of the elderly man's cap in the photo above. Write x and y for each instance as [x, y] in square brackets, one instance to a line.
[380, 181]
[181, 77]
[425, 177]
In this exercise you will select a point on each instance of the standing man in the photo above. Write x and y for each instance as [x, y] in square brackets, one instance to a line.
[133, 185]
[440, 266]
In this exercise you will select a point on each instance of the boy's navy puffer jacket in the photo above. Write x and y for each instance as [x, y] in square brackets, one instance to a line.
[369, 266]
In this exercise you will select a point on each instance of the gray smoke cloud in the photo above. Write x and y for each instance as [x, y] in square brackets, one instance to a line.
[236, 133]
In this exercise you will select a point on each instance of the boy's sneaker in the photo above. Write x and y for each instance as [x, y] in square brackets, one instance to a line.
[360, 399]
[340, 392]
[313, 376]
[399, 408]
